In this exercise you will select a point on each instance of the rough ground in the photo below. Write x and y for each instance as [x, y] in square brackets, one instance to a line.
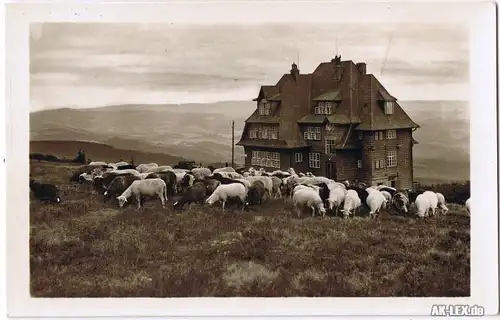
[86, 248]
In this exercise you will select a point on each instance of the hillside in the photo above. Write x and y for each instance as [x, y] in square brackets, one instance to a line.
[84, 247]
[202, 132]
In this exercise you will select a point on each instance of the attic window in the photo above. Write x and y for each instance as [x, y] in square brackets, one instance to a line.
[265, 109]
[389, 107]
[324, 107]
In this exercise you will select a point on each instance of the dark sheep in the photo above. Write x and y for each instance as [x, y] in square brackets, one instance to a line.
[211, 185]
[400, 202]
[412, 195]
[195, 193]
[118, 185]
[362, 193]
[256, 193]
[102, 183]
[128, 166]
[187, 181]
[224, 180]
[45, 191]
[170, 180]
[99, 185]
[324, 191]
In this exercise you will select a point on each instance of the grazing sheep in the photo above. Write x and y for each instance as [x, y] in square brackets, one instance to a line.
[442, 203]
[201, 173]
[361, 192]
[148, 187]
[412, 195]
[211, 185]
[223, 180]
[85, 177]
[280, 174]
[324, 191]
[305, 198]
[375, 201]
[277, 185]
[352, 202]
[186, 181]
[121, 163]
[423, 205]
[225, 191]
[267, 181]
[387, 197]
[335, 199]
[170, 179]
[126, 171]
[245, 182]
[433, 202]
[225, 169]
[256, 193]
[119, 185]
[194, 193]
[305, 187]
[467, 206]
[231, 175]
[45, 191]
[401, 202]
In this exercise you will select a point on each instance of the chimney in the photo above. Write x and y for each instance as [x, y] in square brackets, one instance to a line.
[361, 66]
[337, 60]
[295, 71]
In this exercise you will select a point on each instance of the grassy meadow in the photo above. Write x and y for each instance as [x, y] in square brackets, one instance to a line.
[84, 247]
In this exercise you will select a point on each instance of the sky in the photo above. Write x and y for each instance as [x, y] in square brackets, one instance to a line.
[82, 65]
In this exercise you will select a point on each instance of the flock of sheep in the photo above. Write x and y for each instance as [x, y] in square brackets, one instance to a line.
[123, 182]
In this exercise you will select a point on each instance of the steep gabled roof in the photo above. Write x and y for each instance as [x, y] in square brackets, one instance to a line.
[378, 120]
[267, 92]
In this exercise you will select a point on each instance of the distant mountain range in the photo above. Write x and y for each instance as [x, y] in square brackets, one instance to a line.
[202, 132]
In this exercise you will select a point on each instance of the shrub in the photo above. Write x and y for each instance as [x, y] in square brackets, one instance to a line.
[456, 192]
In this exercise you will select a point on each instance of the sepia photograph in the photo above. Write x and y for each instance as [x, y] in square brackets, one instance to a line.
[283, 158]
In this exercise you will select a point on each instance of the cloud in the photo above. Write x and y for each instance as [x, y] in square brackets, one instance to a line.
[154, 62]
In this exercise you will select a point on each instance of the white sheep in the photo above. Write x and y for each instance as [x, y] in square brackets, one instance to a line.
[305, 187]
[148, 187]
[387, 196]
[225, 191]
[121, 163]
[336, 197]
[422, 203]
[375, 202]
[467, 206]
[144, 175]
[433, 201]
[308, 198]
[351, 203]
[201, 173]
[442, 203]
[126, 171]
[277, 182]
[245, 182]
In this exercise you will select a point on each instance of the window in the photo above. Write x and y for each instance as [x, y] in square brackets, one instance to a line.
[254, 133]
[381, 163]
[312, 133]
[314, 160]
[266, 159]
[377, 164]
[391, 159]
[389, 107]
[360, 164]
[274, 132]
[324, 107]
[330, 146]
[391, 134]
[379, 135]
[265, 109]
[298, 157]
[265, 132]
[360, 135]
